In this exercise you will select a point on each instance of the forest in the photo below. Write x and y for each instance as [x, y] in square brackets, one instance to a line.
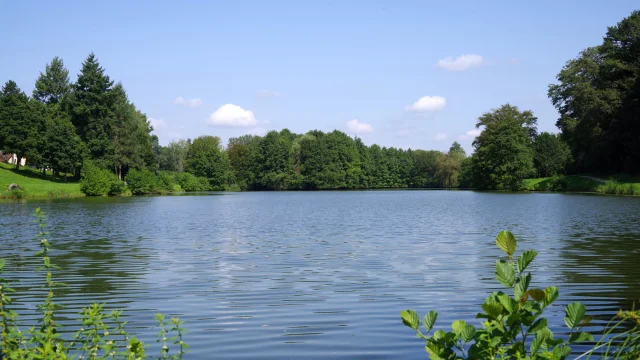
[91, 131]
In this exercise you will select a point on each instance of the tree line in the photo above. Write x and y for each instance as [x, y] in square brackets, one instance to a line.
[282, 160]
[90, 128]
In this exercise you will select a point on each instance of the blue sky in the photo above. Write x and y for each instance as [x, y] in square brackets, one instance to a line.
[235, 67]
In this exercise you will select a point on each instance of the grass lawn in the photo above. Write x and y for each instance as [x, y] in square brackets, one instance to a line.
[35, 185]
[620, 184]
[562, 183]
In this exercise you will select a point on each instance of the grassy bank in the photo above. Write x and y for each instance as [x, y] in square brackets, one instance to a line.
[34, 184]
[619, 184]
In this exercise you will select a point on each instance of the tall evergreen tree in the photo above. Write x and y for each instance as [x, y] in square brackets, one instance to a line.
[53, 84]
[90, 105]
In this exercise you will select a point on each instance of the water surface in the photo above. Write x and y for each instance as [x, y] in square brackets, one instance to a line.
[319, 275]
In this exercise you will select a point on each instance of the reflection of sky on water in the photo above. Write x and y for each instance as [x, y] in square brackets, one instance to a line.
[325, 274]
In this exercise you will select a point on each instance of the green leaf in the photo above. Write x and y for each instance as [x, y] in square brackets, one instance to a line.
[492, 308]
[507, 302]
[521, 287]
[561, 352]
[507, 242]
[525, 259]
[429, 320]
[537, 294]
[433, 349]
[439, 335]
[539, 340]
[537, 326]
[468, 333]
[550, 295]
[579, 337]
[410, 319]
[458, 326]
[574, 314]
[2, 263]
[505, 273]
[536, 343]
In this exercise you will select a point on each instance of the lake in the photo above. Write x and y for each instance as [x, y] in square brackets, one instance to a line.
[316, 275]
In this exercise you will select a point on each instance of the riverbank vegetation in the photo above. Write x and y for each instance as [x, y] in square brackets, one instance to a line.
[513, 325]
[98, 334]
[81, 127]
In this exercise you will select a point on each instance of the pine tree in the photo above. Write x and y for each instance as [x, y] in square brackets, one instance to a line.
[54, 84]
[90, 105]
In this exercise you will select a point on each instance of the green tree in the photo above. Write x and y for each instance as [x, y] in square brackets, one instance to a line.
[449, 166]
[90, 105]
[585, 108]
[131, 135]
[329, 161]
[205, 158]
[503, 153]
[63, 149]
[551, 155]
[52, 85]
[174, 155]
[19, 122]
[243, 153]
[275, 169]
[425, 166]
[597, 96]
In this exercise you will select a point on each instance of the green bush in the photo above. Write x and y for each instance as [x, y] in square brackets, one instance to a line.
[232, 187]
[514, 327]
[615, 188]
[142, 182]
[97, 182]
[189, 182]
[167, 181]
[97, 335]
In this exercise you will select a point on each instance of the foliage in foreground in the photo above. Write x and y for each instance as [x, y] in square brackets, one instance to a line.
[514, 327]
[99, 335]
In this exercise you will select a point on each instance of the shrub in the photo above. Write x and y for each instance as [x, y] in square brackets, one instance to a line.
[143, 182]
[189, 182]
[98, 335]
[167, 181]
[97, 182]
[514, 327]
[615, 188]
[232, 187]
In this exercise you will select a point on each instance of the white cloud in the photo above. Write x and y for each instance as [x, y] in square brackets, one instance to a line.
[269, 94]
[187, 102]
[470, 135]
[440, 137]
[357, 127]
[461, 63]
[232, 116]
[428, 103]
[157, 123]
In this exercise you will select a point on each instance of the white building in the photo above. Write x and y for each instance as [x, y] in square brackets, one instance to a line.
[13, 159]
